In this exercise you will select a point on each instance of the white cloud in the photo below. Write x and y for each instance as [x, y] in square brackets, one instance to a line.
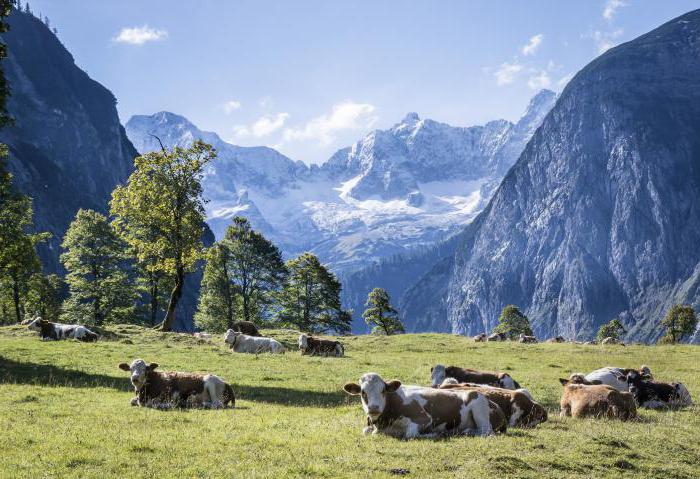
[611, 7]
[533, 45]
[606, 40]
[344, 116]
[539, 81]
[231, 106]
[140, 35]
[264, 126]
[507, 73]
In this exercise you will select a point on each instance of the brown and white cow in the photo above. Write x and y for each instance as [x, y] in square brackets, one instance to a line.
[479, 338]
[598, 401]
[412, 411]
[523, 338]
[166, 389]
[320, 347]
[517, 405]
[439, 373]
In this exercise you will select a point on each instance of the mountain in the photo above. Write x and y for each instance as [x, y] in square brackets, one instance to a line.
[392, 191]
[600, 216]
[67, 148]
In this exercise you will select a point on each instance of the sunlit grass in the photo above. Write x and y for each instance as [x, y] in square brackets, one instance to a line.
[64, 412]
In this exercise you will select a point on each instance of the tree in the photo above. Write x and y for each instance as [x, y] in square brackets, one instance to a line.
[679, 322]
[45, 296]
[160, 213]
[381, 314]
[513, 323]
[310, 299]
[95, 259]
[217, 297]
[612, 329]
[5, 118]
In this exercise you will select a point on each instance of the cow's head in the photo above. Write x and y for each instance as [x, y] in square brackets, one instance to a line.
[230, 336]
[537, 415]
[139, 371]
[645, 371]
[437, 375]
[303, 342]
[372, 390]
[635, 381]
[35, 324]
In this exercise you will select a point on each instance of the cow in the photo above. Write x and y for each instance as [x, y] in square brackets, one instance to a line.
[610, 340]
[408, 412]
[479, 338]
[497, 337]
[517, 405]
[600, 400]
[651, 394]
[527, 339]
[321, 347]
[612, 376]
[166, 389]
[438, 373]
[54, 331]
[242, 343]
[246, 327]
[556, 339]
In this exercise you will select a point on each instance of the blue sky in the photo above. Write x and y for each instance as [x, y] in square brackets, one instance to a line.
[310, 76]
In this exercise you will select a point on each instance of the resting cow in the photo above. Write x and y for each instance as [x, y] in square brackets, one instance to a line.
[242, 343]
[517, 406]
[612, 341]
[412, 411]
[247, 328]
[600, 400]
[556, 339]
[612, 376]
[320, 347]
[479, 338]
[439, 373]
[55, 331]
[165, 389]
[655, 395]
[497, 337]
[527, 339]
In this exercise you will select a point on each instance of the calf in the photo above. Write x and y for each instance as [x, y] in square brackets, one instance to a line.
[242, 343]
[320, 347]
[655, 395]
[438, 373]
[54, 331]
[497, 337]
[479, 338]
[247, 328]
[581, 400]
[411, 411]
[527, 339]
[164, 389]
[517, 406]
[612, 376]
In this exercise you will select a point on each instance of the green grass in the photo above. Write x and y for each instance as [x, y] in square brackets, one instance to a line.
[64, 412]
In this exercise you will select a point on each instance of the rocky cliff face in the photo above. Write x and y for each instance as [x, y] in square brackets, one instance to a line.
[67, 147]
[600, 216]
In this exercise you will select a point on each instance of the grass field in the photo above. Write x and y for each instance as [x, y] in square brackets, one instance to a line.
[64, 412]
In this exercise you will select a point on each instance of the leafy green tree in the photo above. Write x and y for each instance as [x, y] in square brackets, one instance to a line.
[612, 329]
[310, 299]
[5, 10]
[160, 213]
[679, 322]
[95, 259]
[45, 296]
[381, 314]
[218, 300]
[154, 286]
[513, 323]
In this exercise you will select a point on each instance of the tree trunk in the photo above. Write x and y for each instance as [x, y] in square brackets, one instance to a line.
[15, 299]
[97, 315]
[167, 324]
[154, 300]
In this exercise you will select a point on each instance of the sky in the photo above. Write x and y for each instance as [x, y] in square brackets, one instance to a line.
[308, 77]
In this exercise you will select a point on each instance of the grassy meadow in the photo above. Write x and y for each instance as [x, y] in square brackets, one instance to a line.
[64, 412]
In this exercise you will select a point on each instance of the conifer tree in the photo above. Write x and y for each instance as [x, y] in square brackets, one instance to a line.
[513, 323]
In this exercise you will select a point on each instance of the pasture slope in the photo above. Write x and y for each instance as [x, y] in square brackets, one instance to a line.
[64, 412]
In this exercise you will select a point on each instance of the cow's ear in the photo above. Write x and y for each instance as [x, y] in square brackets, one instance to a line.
[393, 386]
[563, 381]
[124, 367]
[152, 366]
[352, 389]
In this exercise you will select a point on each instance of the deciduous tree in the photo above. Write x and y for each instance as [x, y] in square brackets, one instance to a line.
[380, 314]
[513, 322]
[680, 321]
[612, 329]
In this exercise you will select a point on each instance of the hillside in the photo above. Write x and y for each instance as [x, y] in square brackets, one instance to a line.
[69, 404]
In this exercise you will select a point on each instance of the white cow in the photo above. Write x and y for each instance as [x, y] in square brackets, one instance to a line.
[242, 343]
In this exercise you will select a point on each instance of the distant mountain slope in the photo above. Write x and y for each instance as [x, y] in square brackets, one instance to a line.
[392, 191]
[67, 147]
[600, 216]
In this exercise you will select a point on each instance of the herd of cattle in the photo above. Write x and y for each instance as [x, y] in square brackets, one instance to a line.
[523, 338]
[457, 401]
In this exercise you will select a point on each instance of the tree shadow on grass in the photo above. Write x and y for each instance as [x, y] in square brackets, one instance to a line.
[290, 397]
[15, 372]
